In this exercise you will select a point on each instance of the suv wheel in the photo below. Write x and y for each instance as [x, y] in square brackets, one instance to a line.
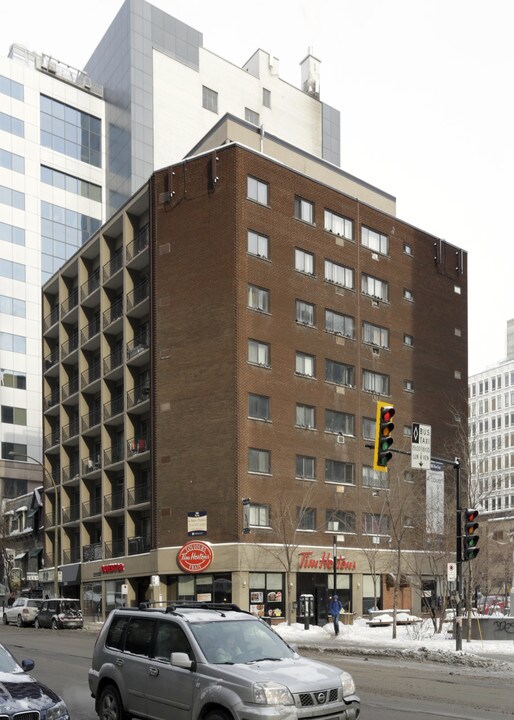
[19, 621]
[6, 621]
[218, 715]
[55, 624]
[110, 706]
[36, 624]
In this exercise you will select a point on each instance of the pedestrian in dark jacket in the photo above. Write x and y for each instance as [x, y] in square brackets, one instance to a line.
[334, 609]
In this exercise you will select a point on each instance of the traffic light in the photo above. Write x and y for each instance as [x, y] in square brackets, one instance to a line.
[470, 537]
[383, 438]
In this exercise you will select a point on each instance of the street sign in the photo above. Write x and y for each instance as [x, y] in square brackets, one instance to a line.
[421, 446]
[452, 572]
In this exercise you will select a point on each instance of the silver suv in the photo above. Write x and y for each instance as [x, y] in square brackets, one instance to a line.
[209, 662]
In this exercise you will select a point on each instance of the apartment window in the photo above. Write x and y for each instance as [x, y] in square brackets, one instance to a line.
[11, 87]
[339, 472]
[71, 131]
[258, 407]
[259, 353]
[339, 373]
[408, 385]
[259, 461]
[374, 287]
[339, 422]
[258, 244]
[12, 343]
[70, 183]
[258, 298]
[257, 190]
[209, 99]
[375, 524]
[304, 210]
[13, 198]
[408, 295]
[375, 335]
[13, 380]
[12, 270]
[305, 313]
[374, 478]
[14, 487]
[374, 240]
[11, 161]
[338, 225]
[338, 274]
[368, 428]
[12, 306]
[252, 117]
[305, 416]
[407, 249]
[306, 518]
[339, 324]
[305, 364]
[340, 521]
[12, 125]
[305, 467]
[12, 234]
[304, 261]
[266, 97]
[15, 451]
[14, 415]
[408, 340]
[259, 515]
[375, 382]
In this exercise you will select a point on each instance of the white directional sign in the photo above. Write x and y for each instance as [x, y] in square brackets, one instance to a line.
[452, 572]
[421, 446]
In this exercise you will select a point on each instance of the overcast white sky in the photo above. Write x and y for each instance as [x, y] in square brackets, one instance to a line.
[425, 90]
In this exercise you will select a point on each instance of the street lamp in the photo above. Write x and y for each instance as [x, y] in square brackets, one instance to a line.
[56, 516]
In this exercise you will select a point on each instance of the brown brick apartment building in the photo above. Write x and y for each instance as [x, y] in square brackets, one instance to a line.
[213, 359]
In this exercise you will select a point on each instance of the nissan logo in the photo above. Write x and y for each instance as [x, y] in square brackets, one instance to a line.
[321, 697]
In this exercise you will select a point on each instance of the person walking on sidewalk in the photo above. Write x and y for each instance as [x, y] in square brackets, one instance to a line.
[334, 609]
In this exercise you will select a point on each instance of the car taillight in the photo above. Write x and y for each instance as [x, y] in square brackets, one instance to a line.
[26, 611]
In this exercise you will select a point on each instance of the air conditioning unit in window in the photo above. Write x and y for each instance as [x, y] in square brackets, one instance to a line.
[333, 526]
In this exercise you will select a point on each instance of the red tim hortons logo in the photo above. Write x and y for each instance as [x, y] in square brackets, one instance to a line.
[194, 556]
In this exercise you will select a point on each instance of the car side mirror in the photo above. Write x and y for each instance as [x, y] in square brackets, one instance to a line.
[182, 659]
[27, 665]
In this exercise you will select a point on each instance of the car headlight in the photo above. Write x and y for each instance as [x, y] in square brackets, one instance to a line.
[347, 684]
[59, 710]
[272, 693]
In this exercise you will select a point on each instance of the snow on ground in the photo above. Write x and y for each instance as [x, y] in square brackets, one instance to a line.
[419, 636]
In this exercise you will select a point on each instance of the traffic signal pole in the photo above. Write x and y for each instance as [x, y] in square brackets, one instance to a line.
[458, 557]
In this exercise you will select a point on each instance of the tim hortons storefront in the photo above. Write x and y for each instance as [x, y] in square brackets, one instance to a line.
[258, 578]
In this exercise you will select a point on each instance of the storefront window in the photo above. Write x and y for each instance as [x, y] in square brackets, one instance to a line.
[267, 594]
[371, 593]
[344, 590]
[205, 588]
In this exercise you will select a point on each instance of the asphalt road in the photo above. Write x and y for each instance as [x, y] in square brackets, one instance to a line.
[390, 689]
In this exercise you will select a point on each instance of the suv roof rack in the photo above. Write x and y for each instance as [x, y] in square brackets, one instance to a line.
[162, 606]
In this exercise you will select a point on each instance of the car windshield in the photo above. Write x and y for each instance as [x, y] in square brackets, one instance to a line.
[7, 662]
[239, 641]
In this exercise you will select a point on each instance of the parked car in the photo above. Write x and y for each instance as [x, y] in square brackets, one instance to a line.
[209, 661]
[24, 696]
[492, 605]
[22, 612]
[59, 613]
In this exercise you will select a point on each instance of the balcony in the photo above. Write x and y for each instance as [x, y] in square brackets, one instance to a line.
[113, 502]
[137, 545]
[112, 267]
[50, 363]
[92, 552]
[71, 344]
[137, 350]
[113, 409]
[137, 300]
[70, 474]
[137, 398]
[113, 314]
[139, 494]
[70, 388]
[115, 548]
[70, 430]
[71, 513]
[90, 286]
[113, 455]
[90, 332]
[91, 465]
[71, 556]
[52, 440]
[90, 508]
[113, 361]
[138, 448]
[136, 257]
[90, 420]
[91, 375]
[51, 319]
[51, 400]
[71, 303]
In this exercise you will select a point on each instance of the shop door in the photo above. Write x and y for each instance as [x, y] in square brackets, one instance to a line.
[321, 605]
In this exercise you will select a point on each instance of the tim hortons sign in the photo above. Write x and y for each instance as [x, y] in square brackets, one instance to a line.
[194, 556]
